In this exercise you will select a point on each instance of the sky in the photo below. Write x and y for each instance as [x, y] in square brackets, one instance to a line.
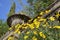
[5, 6]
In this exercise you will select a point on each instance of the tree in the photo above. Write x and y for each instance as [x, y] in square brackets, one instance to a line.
[3, 27]
[12, 9]
[35, 7]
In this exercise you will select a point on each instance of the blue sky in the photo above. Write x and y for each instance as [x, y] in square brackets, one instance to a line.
[5, 6]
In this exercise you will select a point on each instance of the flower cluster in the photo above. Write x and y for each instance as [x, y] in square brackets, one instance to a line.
[39, 29]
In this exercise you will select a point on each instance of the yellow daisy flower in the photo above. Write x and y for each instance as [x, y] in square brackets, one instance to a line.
[58, 27]
[25, 37]
[34, 38]
[52, 18]
[42, 35]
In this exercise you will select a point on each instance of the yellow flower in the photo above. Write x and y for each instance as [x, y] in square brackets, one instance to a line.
[27, 32]
[10, 28]
[57, 15]
[45, 25]
[34, 38]
[30, 20]
[41, 13]
[11, 38]
[31, 26]
[42, 35]
[38, 17]
[58, 27]
[17, 25]
[50, 27]
[35, 20]
[36, 23]
[47, 11]
[18, 32]
[25, 37]
[52, 18]
[24, 27]
[35, 32]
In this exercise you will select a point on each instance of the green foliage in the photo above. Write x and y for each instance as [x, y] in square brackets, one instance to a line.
[50, 33]
[36, 6]
[3, 28]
